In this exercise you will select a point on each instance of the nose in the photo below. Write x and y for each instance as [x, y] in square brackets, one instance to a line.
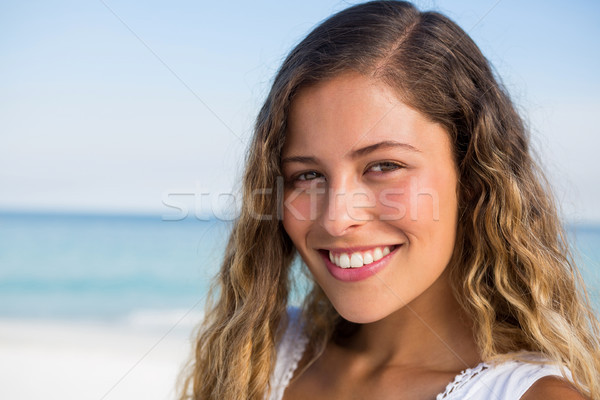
[346, 208]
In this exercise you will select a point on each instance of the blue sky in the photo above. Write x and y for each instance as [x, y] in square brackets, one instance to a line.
[110, 106]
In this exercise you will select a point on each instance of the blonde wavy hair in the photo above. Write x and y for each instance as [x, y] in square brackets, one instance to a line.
[511, 270]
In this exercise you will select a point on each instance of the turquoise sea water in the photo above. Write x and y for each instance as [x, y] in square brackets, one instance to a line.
[81, 266]
[111, 267]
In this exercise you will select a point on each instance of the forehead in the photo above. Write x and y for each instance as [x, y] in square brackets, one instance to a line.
[352, 111]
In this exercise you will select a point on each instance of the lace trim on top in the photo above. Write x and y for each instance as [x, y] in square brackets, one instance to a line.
[298, 342]
[461, 379]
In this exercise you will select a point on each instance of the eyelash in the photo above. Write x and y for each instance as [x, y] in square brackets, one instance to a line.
[396, 166]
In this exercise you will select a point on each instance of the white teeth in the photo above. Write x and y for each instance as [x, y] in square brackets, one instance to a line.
[359, 259]
[377, 254]
[344, 260]
[356, 260]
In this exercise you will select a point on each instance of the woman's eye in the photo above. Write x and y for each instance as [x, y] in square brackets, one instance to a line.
[385, 166]
[307, 176]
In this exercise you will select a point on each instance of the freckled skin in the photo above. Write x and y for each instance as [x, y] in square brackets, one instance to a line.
[413, 338]
[414, 205]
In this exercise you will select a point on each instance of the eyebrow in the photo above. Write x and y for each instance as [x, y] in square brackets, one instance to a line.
[386, 144]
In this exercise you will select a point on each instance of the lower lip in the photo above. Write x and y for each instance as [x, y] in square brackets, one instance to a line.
[357, 274]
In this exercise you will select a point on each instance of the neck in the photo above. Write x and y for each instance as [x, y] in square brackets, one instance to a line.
[431, 332]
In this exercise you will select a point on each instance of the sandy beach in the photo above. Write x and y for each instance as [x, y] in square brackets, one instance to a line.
[89, 360]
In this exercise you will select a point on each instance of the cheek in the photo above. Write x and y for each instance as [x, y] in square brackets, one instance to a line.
[410, 200]
[297, 205]
[418, 199]
[297, 211]
[394, 201]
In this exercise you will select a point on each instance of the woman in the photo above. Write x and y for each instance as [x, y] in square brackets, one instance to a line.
[429, 232]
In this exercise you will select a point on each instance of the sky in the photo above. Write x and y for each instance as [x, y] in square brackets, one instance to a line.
[147, 107]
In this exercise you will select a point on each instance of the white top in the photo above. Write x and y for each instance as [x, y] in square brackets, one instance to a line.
[499, 381]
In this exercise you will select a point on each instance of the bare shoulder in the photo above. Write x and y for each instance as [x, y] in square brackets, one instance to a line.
[552, 388]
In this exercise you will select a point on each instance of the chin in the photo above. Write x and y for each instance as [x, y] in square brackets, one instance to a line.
[360, 314]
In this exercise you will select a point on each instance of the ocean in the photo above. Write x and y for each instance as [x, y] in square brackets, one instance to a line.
[102, 267]
[139, 269]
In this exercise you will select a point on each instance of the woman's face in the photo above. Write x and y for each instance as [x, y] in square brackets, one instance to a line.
[370, 195]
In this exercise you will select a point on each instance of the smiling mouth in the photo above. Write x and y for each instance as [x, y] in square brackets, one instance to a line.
[357, 259]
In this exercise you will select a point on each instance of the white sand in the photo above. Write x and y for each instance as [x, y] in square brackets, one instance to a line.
[77, 360]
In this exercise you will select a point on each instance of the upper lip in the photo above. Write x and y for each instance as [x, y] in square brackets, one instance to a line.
[354, 249]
